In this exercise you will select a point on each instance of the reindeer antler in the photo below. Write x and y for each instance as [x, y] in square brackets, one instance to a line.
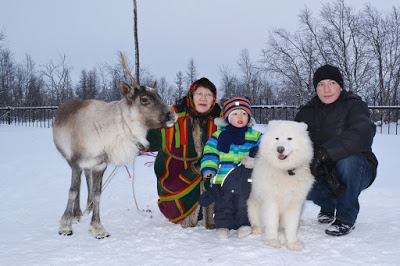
[127, 71]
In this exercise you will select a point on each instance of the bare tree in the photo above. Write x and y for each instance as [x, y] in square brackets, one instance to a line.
[110, 77]
[57, 79]
[191, 72]
[229, 83]
[250, 76]
[19, 86]
[148, 78]
[383, 36]
[342, 32]
[165, 90]
[34, 94]
[179, 85]
[88, 87]
[291, 59]
[116, 74]
[7, 75]
[30, 84]
[335, 38]
[2, 38]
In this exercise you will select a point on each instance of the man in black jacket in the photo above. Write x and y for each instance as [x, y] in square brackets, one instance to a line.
[342, 133]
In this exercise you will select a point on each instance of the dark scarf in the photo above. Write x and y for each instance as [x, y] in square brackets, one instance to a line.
[231, 135]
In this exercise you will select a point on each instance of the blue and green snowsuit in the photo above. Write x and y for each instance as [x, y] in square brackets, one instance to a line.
[230, 188]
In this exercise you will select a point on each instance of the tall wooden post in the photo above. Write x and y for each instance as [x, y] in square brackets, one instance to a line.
[136, 42]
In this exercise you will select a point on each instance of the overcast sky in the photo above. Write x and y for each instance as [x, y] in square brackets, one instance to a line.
[91, 32]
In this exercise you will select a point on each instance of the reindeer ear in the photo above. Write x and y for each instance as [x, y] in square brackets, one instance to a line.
[126, 90]
[155, 84]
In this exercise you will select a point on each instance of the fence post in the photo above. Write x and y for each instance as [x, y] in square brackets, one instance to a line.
[9, 115]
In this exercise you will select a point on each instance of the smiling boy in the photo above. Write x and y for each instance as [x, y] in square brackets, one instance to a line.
[223, 152]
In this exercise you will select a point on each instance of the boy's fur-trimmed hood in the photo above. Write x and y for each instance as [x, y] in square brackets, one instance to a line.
[221, 122]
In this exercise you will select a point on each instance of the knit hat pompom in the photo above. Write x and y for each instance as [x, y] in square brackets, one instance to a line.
[235, 103]
[327, 72]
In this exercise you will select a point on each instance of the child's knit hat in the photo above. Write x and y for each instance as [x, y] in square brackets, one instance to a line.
[235, 104]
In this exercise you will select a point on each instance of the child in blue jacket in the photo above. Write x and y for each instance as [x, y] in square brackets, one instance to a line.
[222, 154]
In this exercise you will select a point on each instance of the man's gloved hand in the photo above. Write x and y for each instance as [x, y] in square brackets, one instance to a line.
[335, 185]
[323, 166]
[320, 159]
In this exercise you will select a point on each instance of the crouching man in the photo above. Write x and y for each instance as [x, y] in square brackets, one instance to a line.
[342, 133]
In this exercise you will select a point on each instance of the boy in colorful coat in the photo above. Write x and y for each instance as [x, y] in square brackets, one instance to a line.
[222, 154]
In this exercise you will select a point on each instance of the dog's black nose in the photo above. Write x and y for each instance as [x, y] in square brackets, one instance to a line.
[280, 149]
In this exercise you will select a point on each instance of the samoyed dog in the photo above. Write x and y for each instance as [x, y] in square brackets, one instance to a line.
[281, 180]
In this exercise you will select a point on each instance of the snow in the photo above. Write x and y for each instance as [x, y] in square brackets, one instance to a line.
[34, 188]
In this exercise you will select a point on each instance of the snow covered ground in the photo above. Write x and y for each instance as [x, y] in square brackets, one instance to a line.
[34, 182]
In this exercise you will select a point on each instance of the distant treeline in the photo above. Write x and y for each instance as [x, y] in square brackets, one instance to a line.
[364, 43]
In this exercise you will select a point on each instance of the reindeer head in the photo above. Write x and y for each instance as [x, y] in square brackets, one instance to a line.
[146, 104]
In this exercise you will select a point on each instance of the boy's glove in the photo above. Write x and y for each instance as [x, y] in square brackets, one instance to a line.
[321, 159]
[208, 197]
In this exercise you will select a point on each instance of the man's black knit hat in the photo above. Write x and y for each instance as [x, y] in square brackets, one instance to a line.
[327, 72]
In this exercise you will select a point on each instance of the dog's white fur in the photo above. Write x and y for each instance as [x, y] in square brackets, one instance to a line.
[278, 195]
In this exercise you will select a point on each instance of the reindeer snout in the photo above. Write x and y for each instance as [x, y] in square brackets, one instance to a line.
[280, 149]
[172, 116]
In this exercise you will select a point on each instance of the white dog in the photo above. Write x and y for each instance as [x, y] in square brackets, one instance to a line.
[281, 180]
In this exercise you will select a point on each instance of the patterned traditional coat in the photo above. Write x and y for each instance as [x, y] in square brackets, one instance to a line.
[177, 165]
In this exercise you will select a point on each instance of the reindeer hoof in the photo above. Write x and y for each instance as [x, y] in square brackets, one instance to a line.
[102, 236]
[65, 233]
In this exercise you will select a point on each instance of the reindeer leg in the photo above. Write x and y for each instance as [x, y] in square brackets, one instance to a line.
[77, 212]
[96, 228]
[89, 183]
[66, 219]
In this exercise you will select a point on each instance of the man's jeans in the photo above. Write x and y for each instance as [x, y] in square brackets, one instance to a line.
[356, 173]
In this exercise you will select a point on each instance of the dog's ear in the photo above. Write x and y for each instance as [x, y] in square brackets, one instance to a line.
[304, 126]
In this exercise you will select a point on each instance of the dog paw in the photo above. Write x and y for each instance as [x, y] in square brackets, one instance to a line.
[244, 231]
[295, 246]
[222, 233]
[255, 230]
[273, 243]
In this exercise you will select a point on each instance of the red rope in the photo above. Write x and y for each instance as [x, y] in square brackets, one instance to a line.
[128, 172]
[148, 153]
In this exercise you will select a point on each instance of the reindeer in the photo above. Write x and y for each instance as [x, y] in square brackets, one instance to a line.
[91, 134]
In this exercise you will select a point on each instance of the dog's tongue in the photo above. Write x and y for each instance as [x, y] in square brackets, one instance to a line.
[282, 157]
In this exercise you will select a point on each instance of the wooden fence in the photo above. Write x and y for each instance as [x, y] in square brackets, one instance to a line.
[385, 117]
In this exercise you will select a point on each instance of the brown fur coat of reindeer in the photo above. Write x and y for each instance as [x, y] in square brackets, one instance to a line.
[91, 134]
